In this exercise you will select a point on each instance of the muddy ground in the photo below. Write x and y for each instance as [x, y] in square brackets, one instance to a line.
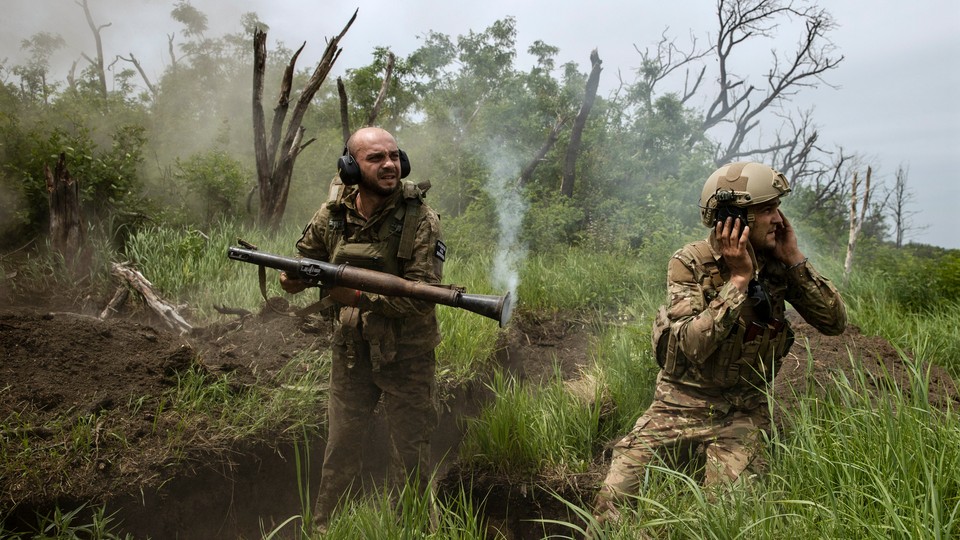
[63, 367]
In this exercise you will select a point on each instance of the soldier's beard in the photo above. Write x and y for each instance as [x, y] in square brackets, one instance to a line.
[376, 188]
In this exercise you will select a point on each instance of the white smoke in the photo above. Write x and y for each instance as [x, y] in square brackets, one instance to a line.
[511, 207]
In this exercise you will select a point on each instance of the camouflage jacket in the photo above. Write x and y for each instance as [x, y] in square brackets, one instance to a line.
[403, 238]
[724, 346]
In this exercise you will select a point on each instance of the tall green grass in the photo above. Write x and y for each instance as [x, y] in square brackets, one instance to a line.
[469, 340]
[578, 279]
[559, 427]
[932, 335]
[294, 405]
[391, 515]
[874, 460]
[190, 266]
[80, 522]
[625, 367]
[526, 431]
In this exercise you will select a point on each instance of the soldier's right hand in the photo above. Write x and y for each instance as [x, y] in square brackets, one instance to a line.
[733, 248]
[292, 285]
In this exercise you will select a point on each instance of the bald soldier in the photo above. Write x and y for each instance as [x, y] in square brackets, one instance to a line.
[383, 347]
[720, 337]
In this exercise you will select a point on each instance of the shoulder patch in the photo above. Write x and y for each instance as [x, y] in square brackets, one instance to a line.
[440, 250]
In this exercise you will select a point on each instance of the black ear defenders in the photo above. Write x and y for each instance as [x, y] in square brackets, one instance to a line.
[349, 170]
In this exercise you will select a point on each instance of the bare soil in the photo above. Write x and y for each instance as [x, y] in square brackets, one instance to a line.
[61, 368]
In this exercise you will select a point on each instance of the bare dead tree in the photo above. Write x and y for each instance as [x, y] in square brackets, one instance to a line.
[576, 134]
[856, 219]
[740, 103]
[793, 150]
[146, 80]
[173, 54]
[71, 76]
[827, 180]
[898, 202]
[98, 62]
[344, 110]
[276, 156]
[667, 59]
[375, 111]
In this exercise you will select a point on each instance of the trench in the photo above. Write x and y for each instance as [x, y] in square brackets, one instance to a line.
[253, 488]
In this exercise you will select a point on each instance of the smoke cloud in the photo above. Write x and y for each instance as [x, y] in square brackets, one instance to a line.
[511, 207]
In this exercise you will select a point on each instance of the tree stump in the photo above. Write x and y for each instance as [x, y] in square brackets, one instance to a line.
[68, 233]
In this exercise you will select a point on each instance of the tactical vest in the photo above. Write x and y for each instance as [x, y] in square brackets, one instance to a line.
[749, 354]
[393, 241]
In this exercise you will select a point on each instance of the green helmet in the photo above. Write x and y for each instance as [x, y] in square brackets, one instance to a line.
[741, 184]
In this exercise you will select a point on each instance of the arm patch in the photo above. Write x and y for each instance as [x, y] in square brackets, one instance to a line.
[440, 250]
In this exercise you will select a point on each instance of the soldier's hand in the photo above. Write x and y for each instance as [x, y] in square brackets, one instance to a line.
[292, 285]
[787, 251]
[733, 248]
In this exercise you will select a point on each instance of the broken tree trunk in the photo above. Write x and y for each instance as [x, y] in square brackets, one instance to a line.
[856, 222]
[375, 111]
[67, 231]
[119, 298]
[344, 111]
[527, 173]
[275, 157]
[576, 134]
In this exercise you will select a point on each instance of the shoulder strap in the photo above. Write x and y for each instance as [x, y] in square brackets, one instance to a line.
[413, 194]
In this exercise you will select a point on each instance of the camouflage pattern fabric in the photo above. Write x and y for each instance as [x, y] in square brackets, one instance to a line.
[681, 432]
[710, 405]
[383, 349]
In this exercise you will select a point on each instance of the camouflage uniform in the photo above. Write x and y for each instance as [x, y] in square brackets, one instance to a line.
[719, 349]
[384, 347]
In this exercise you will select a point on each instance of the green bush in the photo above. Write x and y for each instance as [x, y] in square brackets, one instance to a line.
[216, 182]
[108, 176]
[918, 278]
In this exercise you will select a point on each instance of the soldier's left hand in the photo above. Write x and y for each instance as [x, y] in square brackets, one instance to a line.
[787, 250]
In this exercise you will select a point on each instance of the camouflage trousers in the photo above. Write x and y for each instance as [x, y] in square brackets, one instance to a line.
[722, 441]
[408, 390]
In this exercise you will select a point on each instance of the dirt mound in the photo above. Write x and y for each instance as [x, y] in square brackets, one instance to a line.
[833, 358]
[90, 386]
[64, 363]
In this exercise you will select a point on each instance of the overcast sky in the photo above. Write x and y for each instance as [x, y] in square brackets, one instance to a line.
[895, 99]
